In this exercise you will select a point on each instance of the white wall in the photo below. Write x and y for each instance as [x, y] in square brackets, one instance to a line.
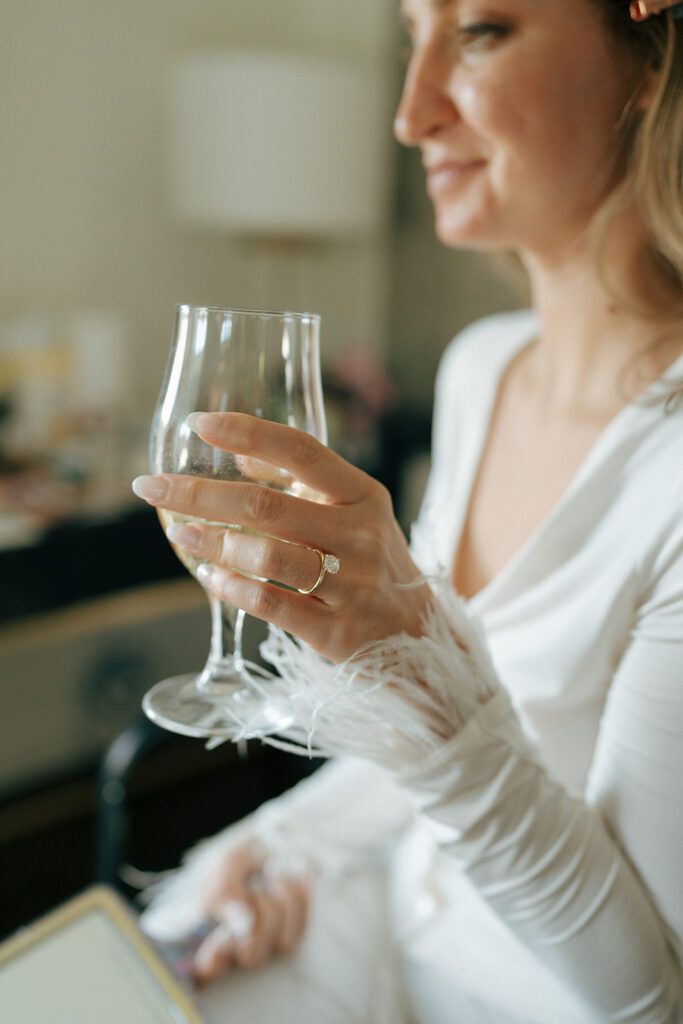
[83, 214]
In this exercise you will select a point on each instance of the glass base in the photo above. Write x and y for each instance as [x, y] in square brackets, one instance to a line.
[180, 705]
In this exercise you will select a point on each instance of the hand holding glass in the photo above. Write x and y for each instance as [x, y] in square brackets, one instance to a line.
[227, 360]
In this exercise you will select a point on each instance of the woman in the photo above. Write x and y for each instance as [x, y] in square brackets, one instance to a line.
[528, 786]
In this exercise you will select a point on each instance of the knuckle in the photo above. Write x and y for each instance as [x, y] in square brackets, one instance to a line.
[190, 491]
[277, 562]
[366, 539]
[265, 561]
[306, 450]
[226, 545]
[264, 603]
[381, 496]
[263, 504]
[258, 562]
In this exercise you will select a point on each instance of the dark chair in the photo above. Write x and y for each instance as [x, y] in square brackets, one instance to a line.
[190, 792]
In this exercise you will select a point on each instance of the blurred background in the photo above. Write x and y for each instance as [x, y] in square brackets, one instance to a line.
[227, 152]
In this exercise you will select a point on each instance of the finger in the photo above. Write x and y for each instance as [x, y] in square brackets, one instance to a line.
[295, 901]
[265, 557]
[215, 955]
[309, 461]
[237, 918]
[229, 876]
[260, 472]
[259, 945]
[251, 506]
[243, 935]
[307, 617]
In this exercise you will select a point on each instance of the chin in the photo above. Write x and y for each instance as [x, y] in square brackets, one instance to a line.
[468, 219]
[475, 226]
[467, 235]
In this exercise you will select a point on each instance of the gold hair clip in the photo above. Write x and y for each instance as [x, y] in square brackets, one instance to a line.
[640, 10]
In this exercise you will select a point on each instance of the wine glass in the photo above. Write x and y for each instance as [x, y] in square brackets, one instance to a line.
[230, 360]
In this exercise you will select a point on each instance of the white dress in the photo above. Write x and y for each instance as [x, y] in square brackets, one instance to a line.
[530, 870]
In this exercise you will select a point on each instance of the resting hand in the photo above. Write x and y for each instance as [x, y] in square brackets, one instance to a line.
[260, 909]
[351, 519]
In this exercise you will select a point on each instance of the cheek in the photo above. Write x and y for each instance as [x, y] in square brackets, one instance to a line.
[543, 121]
[477, 105]
[536, 161]
[501, 122]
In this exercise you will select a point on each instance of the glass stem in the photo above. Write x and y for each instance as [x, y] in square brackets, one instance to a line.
[237, 628]
[226, 660]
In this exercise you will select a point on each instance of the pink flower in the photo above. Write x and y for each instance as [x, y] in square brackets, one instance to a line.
[359, 371]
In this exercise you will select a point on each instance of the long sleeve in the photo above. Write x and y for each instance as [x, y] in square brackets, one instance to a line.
[551, 866]
[591, 886]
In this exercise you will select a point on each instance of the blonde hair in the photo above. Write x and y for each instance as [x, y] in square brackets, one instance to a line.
[646, 173]
[649, 158]
[658, 169]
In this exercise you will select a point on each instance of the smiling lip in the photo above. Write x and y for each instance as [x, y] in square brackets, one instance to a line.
[446, 175]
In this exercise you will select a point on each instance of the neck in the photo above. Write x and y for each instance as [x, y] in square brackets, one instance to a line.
[594, 352]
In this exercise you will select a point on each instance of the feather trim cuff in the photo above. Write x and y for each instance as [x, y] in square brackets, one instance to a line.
[394, 702]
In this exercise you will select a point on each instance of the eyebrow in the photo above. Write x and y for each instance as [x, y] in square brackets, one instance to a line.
[438, 3]
[435, 4]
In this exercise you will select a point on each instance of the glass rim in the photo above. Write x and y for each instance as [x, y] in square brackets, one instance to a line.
[281, 313]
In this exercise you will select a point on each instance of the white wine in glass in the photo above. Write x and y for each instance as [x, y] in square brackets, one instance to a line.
[230, 360]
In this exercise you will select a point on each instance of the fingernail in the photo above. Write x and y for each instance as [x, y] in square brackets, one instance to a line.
[206, 962]
[204, 422]
[205, 573]
[185, 534]
[151, 488]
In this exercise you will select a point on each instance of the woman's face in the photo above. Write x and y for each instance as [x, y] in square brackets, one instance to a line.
[513, 104]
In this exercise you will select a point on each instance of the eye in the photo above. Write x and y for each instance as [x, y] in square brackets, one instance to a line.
[479, 34]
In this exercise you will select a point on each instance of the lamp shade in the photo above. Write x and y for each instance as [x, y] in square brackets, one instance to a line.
[276, 144]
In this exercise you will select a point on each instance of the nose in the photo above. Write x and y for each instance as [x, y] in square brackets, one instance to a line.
[425, 106]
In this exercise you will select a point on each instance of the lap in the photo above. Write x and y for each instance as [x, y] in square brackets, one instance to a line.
[344, 971]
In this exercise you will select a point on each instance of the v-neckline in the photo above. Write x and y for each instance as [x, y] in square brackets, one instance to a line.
[594, 454]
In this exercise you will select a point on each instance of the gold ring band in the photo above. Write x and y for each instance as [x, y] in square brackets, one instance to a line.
[328, 563]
